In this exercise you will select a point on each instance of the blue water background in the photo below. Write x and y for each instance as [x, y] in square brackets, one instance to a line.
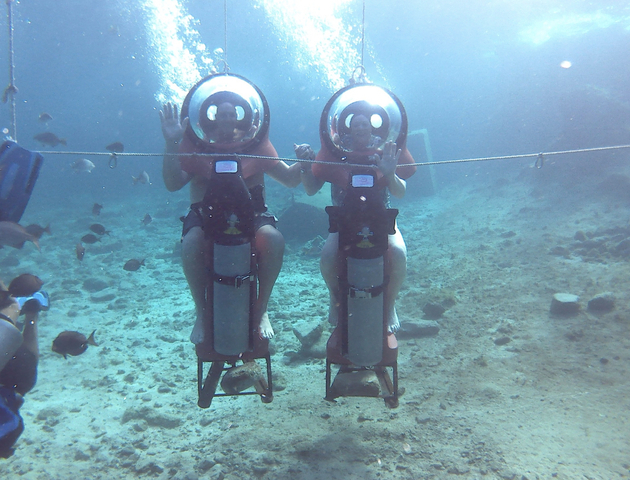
[464, 71]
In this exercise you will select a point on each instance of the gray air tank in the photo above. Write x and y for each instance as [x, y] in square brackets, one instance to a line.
[10, 341]
[365, 311]
[228, 214]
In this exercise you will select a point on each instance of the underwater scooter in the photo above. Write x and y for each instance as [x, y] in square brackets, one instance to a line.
[361, 340]
[228, 215]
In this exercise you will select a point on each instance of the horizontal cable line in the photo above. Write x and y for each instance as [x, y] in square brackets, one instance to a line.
[538, 156]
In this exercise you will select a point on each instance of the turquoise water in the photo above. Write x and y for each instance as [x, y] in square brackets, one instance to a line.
[497, 238]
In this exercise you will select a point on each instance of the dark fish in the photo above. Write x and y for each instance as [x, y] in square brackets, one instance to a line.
[133, 265]
[45, 117]
[96, 209]
[14, 235]
[25, 285]
[72, 343]
[49, 138]
[116, 147]
[141, 178]
[80, 249]
[99, 229]
[90, 238]
[147, 219]
[37, 230]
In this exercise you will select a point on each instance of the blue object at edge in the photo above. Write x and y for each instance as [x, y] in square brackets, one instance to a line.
[19, 169]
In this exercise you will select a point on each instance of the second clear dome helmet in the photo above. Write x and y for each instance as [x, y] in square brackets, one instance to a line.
[226, 111]
[373, 108]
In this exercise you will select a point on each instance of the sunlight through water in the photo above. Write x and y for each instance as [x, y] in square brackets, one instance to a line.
[570, 25]
[179, 53]
[322, 39]
[318, 36]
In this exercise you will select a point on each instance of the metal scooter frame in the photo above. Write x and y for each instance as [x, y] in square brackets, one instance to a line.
[205, 354]
[389, 388]
[207, 388]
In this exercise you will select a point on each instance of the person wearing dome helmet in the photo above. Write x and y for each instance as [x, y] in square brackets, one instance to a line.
[355, 141]
[222, 133]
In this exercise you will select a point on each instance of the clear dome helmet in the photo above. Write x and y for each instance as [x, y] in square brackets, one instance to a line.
[206, 104]
[384, 111]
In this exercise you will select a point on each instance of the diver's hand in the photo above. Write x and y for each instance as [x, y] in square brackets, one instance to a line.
[172, 129]
[251, 133]
[253, 130]
[388, 162]
[304, 151]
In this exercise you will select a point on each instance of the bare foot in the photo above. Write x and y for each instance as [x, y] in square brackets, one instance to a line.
[265, 330]
[393, 324]
[196, 336]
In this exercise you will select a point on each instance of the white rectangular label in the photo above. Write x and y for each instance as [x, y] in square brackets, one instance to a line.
[226, 166]
[362, 181]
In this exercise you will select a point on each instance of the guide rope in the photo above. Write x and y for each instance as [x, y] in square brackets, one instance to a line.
[538, 156]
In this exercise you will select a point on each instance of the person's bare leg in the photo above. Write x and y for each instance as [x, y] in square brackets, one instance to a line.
[328, 265]
[396, 268]
[269, 244]
[195, 271]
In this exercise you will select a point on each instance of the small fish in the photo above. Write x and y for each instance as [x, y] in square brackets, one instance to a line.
[90, 239]
[14, 235]
[115, 147]
[25, 285]
[82, 165]
[99, 229]
[96, 209]
[80, 249]
[10, 90]
[147, 219]
[50, 139]
[37, 230]
[45, 117]
[133, 265]
[72, 343]
[142, 178]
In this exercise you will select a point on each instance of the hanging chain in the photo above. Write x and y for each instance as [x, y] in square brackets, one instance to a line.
[226, 68]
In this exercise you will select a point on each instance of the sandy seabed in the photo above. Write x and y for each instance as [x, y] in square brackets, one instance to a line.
[551, 401]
